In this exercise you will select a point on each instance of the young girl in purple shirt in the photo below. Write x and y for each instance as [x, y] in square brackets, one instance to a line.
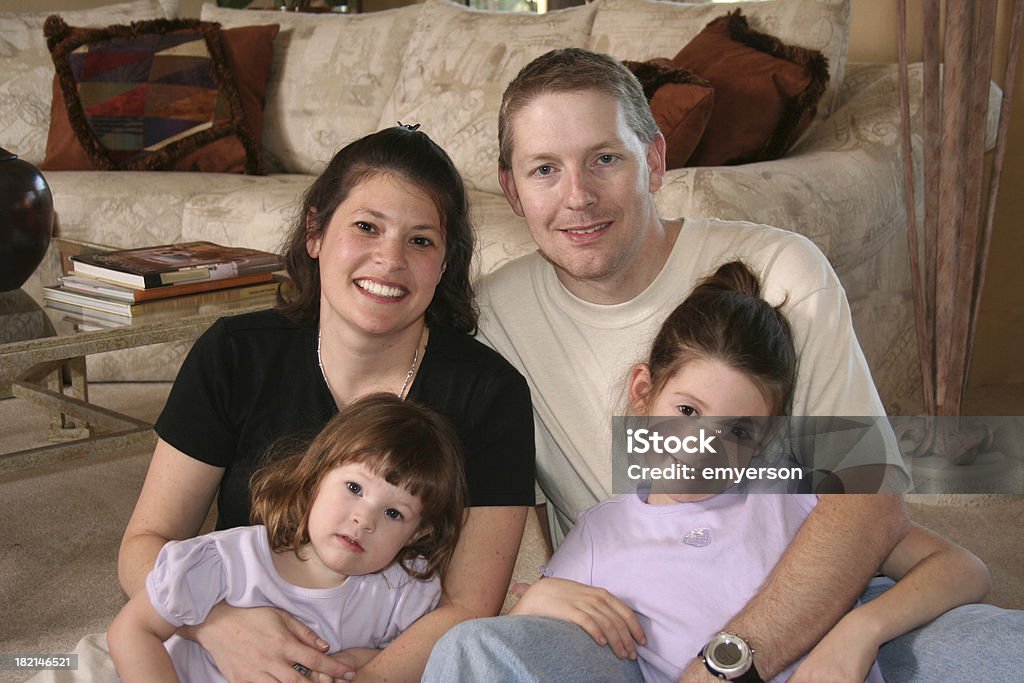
[658, 575]
[353, 533]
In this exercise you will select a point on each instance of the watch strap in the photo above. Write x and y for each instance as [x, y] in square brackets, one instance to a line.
[749, 676]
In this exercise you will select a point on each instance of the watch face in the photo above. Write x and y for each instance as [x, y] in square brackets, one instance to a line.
[728, 656]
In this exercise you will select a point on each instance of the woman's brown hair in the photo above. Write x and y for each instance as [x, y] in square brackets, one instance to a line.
[725, 319]
[404, 443]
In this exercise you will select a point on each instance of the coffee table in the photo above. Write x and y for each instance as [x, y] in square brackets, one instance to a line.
[52, 372]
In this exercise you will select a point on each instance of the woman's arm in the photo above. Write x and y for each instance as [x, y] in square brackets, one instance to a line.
[175, 500]
[136, 641]
[245, 643]
[932, 575]
[474, 586]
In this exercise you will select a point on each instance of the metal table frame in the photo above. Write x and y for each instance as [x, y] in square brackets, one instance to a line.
[51, 362]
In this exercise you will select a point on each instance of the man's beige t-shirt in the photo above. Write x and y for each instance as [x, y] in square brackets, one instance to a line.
[576, 356]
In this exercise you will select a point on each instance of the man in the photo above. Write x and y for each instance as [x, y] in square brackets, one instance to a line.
[580, 159]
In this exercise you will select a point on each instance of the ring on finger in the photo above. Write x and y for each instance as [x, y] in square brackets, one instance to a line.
[305, 671]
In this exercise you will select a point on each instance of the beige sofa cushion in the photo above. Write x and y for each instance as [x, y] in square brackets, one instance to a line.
[501, 236]
[26, 70]
[623, 28]
[135, 208]
[456, 69]
[331, 76]
[258, 214]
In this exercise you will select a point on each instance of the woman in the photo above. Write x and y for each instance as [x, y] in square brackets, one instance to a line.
[380, 259]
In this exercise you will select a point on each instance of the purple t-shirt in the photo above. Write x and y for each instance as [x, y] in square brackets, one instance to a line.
[235, 566]
[685, 569]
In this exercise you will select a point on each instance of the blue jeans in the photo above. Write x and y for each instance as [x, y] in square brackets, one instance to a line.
[525, 650]
[970, 643]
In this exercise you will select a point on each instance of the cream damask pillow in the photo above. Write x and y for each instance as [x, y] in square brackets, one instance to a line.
[330, 78]
[26, 68]
[640, 30]
[456, 69]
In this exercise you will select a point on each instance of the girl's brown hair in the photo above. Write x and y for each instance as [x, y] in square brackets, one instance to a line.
[411, 156]
[404, 443]
[725, 319]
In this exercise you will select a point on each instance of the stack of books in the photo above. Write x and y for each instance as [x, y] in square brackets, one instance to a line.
[114, 287]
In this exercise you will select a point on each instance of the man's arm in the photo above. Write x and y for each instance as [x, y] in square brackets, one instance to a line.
[837, 550]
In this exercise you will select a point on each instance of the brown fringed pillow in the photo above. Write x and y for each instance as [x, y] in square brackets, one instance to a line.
[681, 102]
[766, 92]
[176, 95]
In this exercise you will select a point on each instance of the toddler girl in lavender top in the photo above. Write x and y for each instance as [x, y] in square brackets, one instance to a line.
[352, 534]
[676, 565]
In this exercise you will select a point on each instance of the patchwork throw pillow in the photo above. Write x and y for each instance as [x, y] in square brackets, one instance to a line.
[157, 95]
[26, 68]
[766, 92]
[681, 102]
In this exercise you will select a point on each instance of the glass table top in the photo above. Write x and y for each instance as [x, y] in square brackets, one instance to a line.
[32, 331]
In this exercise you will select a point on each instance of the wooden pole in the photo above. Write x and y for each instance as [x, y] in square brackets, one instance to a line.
[932, 125]
[979, 33]
[918, 277]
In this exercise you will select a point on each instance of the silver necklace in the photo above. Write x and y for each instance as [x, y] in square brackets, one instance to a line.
[405, 382]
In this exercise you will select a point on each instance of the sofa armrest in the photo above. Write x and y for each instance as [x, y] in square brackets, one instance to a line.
[872, 79]
[841, 185]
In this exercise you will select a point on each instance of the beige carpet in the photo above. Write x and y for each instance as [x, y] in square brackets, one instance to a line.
[60, 527]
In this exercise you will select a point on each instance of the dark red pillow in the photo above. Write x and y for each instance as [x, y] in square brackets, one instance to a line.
[178, 95]
[766, 92]
[681, 102]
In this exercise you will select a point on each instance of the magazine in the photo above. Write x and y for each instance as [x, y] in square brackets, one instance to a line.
[84, 284]
[262, 291]
[80, 315]
[149, 267]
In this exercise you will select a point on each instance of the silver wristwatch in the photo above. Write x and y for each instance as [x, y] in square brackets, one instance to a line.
[730, 658]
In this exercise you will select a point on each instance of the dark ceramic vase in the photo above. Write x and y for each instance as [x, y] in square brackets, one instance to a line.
[26, 220]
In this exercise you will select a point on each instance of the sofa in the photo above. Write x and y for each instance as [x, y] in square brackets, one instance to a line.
[334, 78]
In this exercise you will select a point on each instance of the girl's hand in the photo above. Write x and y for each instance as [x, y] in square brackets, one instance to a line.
[261, 643]
[602, 615]
[844, 655]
